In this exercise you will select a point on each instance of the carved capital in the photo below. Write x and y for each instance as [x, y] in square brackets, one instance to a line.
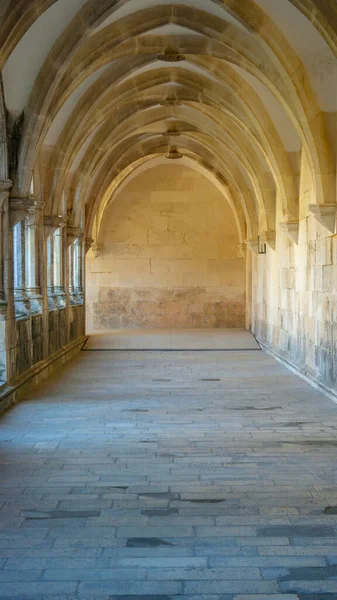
[268, 237]
[51, 224]
[35, 213]
[291, 229]
[73, 233]
[88, 243]
[325, 214]
[19, 209]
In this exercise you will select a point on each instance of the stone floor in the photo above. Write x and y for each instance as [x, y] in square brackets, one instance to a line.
[172, 339]
[156, 475]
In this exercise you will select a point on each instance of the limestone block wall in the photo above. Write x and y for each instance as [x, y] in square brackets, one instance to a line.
[295, 295]
[170, 256]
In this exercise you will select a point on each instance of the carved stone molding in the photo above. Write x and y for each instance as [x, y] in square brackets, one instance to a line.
[171, 101]
[252, 245]
[73, 233]
[173, 154]
[171, 55]
[19, 209]
[35, 213]
[88, 242]
[51, 224]
[325, 214]
[291, 229]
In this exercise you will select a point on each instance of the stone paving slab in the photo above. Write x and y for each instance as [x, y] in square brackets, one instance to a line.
[144, 476]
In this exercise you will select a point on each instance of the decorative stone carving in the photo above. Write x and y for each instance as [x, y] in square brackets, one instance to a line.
[51, 224]
[173, 154]
[18, 209]
[171, 101]
[325, 214]
[73, 233]
[88, 242]
[291, 229]
[171, 55]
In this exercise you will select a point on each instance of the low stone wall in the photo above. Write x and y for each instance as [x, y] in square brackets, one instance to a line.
[19, 387]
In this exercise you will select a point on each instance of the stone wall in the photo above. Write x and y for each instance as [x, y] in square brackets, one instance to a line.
[171, 256]
[295, 295]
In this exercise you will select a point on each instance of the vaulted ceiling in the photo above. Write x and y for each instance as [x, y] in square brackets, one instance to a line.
[237, 88]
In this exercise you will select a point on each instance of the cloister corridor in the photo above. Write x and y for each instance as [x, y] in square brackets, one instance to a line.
[170, 473]
[168, 299]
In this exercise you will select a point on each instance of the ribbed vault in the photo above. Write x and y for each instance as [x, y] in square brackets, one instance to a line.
[117, 83]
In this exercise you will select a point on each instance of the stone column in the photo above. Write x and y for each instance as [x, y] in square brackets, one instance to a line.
[50, 224]
[73, 233]
[59, 266]
[18, 212]
[73, 302]
[71, 287]
[34, 224]
[21, 299]
[5, 187]
[79, 267]
[50, 271]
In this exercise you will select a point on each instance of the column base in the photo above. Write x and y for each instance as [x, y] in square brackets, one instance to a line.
[36, 301]
[22, 305]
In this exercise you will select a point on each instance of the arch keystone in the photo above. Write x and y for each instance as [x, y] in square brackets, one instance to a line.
[171, 55]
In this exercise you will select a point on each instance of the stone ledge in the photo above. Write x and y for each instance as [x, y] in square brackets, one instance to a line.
[13, 392]
[315, 383]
